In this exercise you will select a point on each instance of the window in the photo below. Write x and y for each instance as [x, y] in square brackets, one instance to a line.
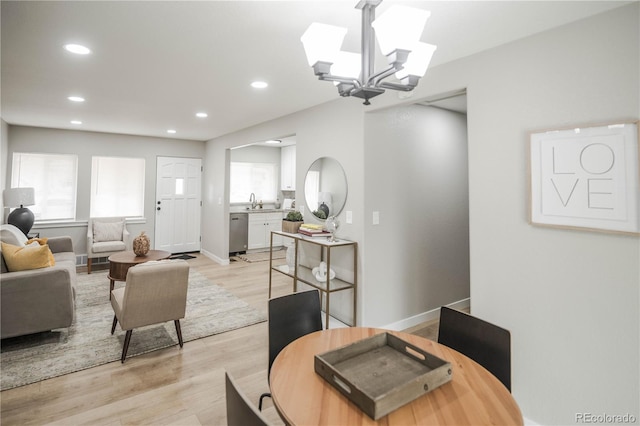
[54, 179]
[312, 188]
[257, 178]
[117, 187]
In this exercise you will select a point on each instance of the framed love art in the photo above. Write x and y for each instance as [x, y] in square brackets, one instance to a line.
[586, 178]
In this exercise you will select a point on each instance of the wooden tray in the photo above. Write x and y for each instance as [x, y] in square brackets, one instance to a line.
[382, 373]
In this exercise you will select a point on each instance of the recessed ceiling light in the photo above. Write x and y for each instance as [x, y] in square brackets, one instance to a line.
[77, 49]
[172, 131]
[76, 122]
[76, 98]
[202, 115]
[274, 141]
[259, 84]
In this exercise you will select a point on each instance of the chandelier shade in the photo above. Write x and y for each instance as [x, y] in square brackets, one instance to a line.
[400, 27]
[417, 61]
[398, 32]
[322, 42]
[347, 64]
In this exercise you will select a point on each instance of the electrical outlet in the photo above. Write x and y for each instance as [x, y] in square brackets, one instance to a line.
[349, 216]
[376, 218]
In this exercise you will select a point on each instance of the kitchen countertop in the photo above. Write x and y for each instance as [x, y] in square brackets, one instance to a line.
[259, 210]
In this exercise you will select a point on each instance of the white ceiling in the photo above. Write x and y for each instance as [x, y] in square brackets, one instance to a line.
[155, 64]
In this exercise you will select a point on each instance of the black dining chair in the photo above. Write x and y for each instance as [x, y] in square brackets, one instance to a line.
[240, 412]
[290, 317]
[485, 343]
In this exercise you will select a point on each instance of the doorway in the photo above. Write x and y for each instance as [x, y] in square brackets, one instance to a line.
[178, 204]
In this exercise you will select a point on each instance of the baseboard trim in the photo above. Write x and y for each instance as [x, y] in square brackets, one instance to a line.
[427, 316]
[215, 258]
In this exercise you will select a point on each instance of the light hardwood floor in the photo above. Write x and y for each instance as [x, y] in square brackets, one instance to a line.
[170, 386]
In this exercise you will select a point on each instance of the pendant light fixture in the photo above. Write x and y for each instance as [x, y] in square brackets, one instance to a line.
[398, 32]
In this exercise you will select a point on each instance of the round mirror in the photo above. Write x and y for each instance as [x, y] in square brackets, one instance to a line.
[325, 188]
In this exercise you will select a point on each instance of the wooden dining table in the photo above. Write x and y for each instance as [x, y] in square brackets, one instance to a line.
[302, 397]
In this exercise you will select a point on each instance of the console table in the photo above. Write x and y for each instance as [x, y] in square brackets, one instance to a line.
[304, 274]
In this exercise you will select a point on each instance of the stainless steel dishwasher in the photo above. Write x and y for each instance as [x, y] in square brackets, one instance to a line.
[238, 232]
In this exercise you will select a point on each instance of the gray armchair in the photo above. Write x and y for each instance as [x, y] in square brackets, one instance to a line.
[106, 236]
[155, 292]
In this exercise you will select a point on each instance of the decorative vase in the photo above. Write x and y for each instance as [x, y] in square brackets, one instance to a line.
[141, 244]
[332, 224]
[291, 257]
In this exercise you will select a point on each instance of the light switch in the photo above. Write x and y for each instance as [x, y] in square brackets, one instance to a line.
[376, 218]
[349, 216]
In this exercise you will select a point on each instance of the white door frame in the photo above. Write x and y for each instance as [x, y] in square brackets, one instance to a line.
[178, 204]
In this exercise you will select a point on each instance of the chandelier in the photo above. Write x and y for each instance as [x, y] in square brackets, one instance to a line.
[398, 32]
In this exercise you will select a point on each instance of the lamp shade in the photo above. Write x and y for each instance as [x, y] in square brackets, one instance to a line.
[18, 197]
[400, 27]
[322, 42]
[347, 64]
[418, 60]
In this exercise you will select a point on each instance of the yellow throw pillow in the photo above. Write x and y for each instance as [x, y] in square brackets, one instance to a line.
[27, 257]
[42, 242]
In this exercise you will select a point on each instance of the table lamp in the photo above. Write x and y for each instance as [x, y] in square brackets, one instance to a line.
[21, 217]
[326, 199]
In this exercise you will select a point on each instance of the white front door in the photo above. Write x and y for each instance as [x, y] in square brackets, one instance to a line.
[178, 204]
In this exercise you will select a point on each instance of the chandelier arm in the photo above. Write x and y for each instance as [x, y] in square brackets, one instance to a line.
[400, 87]
[329, 77]
[375, 79]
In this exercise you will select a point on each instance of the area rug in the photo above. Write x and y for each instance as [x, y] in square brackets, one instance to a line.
[89, 343]
[183, 256]
[263, 256]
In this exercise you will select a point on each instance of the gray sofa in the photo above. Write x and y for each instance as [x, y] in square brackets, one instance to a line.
[38, 299]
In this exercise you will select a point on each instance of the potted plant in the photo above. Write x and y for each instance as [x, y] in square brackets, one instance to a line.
[320, 214]
[291, 223]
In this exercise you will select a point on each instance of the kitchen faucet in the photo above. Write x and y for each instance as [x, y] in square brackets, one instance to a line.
[252, 200]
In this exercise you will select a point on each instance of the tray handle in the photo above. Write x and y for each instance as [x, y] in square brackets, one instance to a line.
[341, 384]
[344, 386]
[411, 350]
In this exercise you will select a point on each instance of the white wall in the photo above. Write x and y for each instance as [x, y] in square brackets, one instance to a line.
[4, 143]
[570, 298]
[333, 130]
[417, 257]
[87, 144]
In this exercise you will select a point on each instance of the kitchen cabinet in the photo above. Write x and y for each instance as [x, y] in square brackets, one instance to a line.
[260, 227]
[304, 274]
[288, 168]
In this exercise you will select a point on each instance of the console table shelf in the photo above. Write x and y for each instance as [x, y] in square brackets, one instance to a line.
[304, 274]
